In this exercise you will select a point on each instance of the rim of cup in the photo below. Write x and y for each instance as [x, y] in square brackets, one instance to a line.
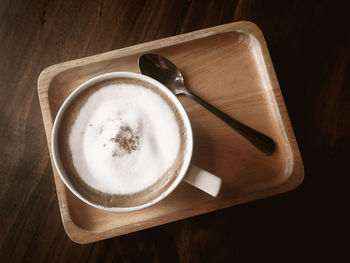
[58, 162]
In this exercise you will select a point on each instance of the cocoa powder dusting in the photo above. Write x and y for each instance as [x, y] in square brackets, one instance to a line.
[127, 140]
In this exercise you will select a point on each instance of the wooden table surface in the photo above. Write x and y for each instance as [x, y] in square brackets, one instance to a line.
[309, 43]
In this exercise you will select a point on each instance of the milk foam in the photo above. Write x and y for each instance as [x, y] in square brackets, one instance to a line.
[148, 144]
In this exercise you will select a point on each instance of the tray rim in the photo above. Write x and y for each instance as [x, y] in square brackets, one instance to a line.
[83, 236]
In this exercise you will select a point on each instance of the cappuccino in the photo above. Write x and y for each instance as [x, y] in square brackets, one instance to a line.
[122, 142]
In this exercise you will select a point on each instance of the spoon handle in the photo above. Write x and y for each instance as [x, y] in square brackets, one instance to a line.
[258, 139]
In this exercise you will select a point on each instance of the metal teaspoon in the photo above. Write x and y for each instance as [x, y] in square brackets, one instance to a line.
[163, 70]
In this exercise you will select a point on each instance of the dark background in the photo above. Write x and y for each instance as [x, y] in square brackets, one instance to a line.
[309, 43]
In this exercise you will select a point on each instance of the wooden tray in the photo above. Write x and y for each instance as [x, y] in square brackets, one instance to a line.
[230, 67]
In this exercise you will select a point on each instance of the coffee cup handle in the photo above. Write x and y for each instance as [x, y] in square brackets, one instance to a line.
[203, 180]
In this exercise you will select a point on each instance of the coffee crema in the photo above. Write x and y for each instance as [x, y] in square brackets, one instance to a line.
[122, 142]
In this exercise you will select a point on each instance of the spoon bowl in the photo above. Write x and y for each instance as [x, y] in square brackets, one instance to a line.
[164, 71]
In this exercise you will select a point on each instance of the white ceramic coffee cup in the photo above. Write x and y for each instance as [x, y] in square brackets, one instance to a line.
[194, 175]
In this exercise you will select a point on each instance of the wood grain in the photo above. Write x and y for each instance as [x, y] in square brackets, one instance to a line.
[309, 43]
[248, 90]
